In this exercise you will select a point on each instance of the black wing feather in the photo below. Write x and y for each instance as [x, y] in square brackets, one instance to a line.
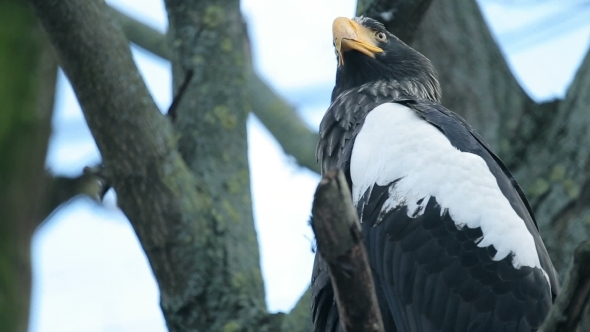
[324, 312]
[481, 300]
[466, 139]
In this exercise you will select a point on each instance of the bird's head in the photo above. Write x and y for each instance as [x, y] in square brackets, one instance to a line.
[366, 53]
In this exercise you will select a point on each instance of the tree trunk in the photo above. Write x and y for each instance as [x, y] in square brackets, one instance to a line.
[208, 38]
[27, 86]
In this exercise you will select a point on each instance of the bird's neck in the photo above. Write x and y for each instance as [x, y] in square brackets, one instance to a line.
[394, 89]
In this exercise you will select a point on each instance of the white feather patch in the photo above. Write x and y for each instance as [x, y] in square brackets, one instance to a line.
[395, 143]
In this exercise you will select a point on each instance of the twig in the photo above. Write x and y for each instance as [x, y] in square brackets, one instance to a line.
[62, 189]
[99, 176]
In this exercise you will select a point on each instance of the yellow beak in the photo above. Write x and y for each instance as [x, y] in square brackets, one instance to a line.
[349, 35]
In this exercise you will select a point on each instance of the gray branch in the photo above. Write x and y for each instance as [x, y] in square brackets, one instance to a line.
[283, 122]
[141, 34]
[340, 243]
[61, 189]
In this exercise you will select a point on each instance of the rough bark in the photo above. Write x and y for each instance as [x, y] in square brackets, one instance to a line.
[207, 37]
[340, 243]
[27, 85]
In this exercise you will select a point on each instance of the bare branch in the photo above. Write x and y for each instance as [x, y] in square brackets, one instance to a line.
[101, 61]
[340, 242]
[63, 188]
[279, 117]
[401, 17]
[142, 34]
[571, 311]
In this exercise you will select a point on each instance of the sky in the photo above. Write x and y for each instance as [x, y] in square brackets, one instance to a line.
[89, 272]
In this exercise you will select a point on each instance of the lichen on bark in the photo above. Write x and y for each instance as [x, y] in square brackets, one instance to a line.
[213, 142]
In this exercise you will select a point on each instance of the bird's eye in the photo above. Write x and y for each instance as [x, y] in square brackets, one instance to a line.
[380, 36]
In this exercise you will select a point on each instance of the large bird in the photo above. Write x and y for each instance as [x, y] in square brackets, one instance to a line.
[451, 239]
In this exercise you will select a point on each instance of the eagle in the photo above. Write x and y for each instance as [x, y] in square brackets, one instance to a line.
[451, 239]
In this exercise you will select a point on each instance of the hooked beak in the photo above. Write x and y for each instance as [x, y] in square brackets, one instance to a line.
[349, 35]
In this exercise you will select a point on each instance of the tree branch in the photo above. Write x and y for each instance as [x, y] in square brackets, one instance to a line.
[340, 242]
[278, 117]
[401, 17]
[62, 188]
[283, 122]
[141, 34]
[571, 311]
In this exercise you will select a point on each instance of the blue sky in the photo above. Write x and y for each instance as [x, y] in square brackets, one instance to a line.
[89, 271]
